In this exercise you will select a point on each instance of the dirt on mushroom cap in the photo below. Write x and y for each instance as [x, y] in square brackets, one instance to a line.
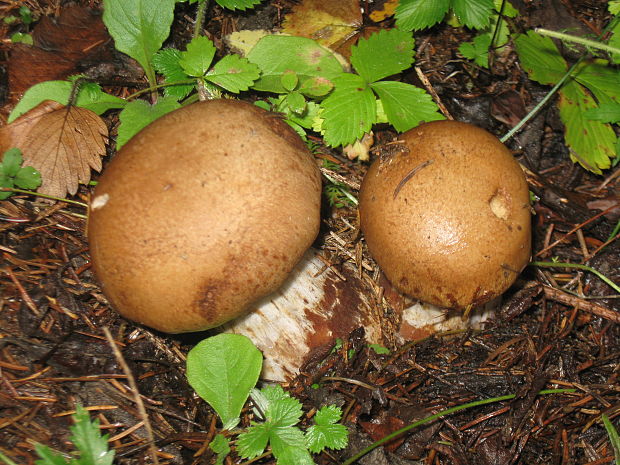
[203, 212]
[447, 218]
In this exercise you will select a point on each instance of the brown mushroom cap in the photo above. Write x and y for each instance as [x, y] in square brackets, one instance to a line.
[203, 212]
[447, 217]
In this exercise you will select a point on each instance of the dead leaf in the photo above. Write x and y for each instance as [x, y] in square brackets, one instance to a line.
[62, 143]
[63, 46]
[331, 23]
[387, 10]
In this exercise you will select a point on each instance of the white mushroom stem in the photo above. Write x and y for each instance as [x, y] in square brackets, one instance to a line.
[317, 305]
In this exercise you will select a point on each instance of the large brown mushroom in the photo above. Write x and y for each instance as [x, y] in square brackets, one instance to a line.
[202, 213]
[447, 217]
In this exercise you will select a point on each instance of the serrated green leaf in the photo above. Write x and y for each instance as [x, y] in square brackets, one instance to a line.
[509, 10]
[316, 87]
[92, 446]
[419, 14]
[48, 456]
[379, 349]
[289, 80]
[383, 54]
[5, 181]
[284, 412]
[221, 446]
[601, 79]
[138, 114]
[166, 62]
[330, 436]
[296, 102]
[614, 41]
[288, 446]
[11, 161]
[139, 27]
[405, 105]
[28, 178]
[349, 111]
[237, 4]
[253, 442]
[474, 14]
[196, 60]
[222, 369]
[477, 50]
[614, 438]
[276, 54]
[329, 414]
[606, 113]
[91, 97]
[592, 143]
[234, 73]
[540, 58]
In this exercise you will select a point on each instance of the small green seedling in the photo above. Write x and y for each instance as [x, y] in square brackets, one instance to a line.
[12, 174]
[421, 14]
[223, 370]
[92, 447]
[614, 438]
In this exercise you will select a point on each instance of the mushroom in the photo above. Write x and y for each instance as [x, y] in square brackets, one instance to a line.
[447, 217]
[202, 213]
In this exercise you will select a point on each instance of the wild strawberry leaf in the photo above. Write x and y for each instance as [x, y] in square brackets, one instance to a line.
[92, 446]
[477, 50]
[326, 433]
[196, 60]
[383, 54]
[474, 14]
[11, 161]
[606, 112]
[592, 143]
[253, 442]
[234, 73]
[62, 143]
[166, 62]
[405, 105]
[288, 446]
[540, 58]
[349, 111]
[419, 14]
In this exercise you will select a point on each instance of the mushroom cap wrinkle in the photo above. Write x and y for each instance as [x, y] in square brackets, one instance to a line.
[447, 217]
[202, 213]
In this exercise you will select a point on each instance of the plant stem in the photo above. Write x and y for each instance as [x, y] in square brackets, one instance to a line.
[200, 17]
[45, 196]
[577, 40]
[443, 413]
[604, 278]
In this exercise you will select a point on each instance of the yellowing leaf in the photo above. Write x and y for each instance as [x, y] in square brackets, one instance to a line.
[331, 23]
[388, 9]
[62, 143]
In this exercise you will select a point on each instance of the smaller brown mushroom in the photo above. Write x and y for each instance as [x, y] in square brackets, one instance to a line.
[447, 217]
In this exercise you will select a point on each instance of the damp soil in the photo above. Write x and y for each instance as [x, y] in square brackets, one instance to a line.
[555, 329]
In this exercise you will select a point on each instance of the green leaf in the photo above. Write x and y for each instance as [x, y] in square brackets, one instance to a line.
[296, 102]
[405, 105]
[379, 349]
[222, 369]
[289, 80]
[474, 14]
[614, 7]
[277, 54]
[477, 50]
[221, 446]
[166, 62]
[606, 113]
[253, 442]
[48, 457]
[28, 178]
[326, 433]
[614, 438]
[349, 111]
[284, 412]
[509, 10]
[540, 58]
[614, 41]
[316, 87]
[91, 97]
[197, 59]
[420, 14]
[592, 143]
[138, 114]
[234, 73]
[20, 37]
[139, 27]
[11, 161]
[87, 438]
[383, 54]
[601, 79]
[288, 446]
[237, 4]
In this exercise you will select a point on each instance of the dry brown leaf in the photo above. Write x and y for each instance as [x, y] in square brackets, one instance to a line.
[62, 143]
[387, 10]
[331, 23]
